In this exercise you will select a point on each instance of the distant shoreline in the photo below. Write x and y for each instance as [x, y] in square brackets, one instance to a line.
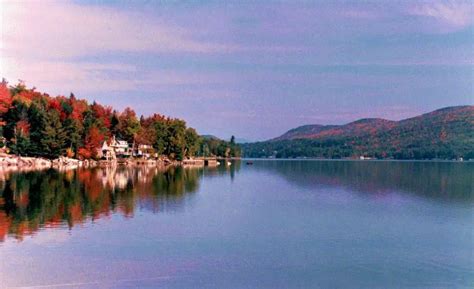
[356, 160]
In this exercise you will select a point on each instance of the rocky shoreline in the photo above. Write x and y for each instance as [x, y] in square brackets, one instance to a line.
[14, 162]
[20, 162]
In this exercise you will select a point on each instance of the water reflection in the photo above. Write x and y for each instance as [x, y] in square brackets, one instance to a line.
[31, 200]
[449, 181]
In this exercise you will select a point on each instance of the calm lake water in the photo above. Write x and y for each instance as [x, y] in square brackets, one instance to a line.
[273, 224]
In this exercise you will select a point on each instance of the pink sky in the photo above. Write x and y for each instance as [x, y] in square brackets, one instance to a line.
[254, 69]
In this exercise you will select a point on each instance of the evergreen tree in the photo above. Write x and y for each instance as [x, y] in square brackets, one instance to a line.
[73, 132]
[21, 144]
[114, 123]
[53, 142]
[37, 119]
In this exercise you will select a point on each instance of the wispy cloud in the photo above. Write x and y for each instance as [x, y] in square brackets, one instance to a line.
[270, 61]
[43, 43]
[63, 29]
[61, 77]
[454, 14]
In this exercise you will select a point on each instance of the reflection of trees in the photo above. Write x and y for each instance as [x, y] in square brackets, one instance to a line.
[31, 200]
[442, 180]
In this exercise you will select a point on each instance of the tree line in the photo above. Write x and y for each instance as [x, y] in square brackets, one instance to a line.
[442, 134]
[339, 148]
[37, 124]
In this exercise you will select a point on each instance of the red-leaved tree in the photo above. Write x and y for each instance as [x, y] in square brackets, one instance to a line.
[92, 143]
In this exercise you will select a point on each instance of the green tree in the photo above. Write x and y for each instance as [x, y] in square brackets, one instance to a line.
[161, 137]
[53, 141]
[192, 142]
[73, 130]
[128, 125]
[234, 148]
[177, 141]
[37, 119]
[21, 144]
[17, 112]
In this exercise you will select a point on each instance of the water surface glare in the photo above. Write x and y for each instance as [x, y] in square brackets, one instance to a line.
[273, 224]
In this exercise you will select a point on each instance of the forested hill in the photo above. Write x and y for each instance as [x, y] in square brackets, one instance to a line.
[446, 133]
[33, 123]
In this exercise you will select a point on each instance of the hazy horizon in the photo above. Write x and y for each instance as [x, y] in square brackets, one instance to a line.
[253, 70]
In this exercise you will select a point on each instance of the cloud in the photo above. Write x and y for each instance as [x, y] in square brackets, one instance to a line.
[455, 14]
[64, 30]
[88, 78]
[271, 60]
[62, 77]
[45, 44]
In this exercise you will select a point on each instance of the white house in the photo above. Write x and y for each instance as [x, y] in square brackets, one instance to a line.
[120, 147]
[107, 152]
[114, 148]
[144, 151]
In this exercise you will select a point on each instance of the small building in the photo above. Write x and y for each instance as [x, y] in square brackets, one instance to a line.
[144, 151]
[114, 148]
[120, 147]
[366, 158]
[107, 152]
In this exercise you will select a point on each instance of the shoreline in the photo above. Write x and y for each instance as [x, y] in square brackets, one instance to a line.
[23, 163]
[356, 160]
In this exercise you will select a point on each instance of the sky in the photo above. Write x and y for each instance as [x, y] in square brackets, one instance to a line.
[253, 69]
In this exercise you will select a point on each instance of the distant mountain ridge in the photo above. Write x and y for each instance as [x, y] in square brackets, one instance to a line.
[374, 125]
[213, 137]
[443, 133]
[359, 127]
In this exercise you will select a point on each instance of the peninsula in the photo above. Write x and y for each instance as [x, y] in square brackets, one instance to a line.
[38, 130]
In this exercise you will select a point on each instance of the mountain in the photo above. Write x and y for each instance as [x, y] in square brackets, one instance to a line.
[445, 133]
[210, 137]
[356, 128]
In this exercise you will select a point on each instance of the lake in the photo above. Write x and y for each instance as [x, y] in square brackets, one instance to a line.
[273, 224]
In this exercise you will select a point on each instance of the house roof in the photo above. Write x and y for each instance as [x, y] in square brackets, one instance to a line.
[105, 146]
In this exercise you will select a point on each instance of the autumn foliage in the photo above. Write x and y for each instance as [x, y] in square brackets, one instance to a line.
[442, 134]
[37, 124]
[93, 142]
[5, 99]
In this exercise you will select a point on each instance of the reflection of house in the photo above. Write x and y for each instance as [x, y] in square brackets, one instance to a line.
[114, 178]
[115, 148]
